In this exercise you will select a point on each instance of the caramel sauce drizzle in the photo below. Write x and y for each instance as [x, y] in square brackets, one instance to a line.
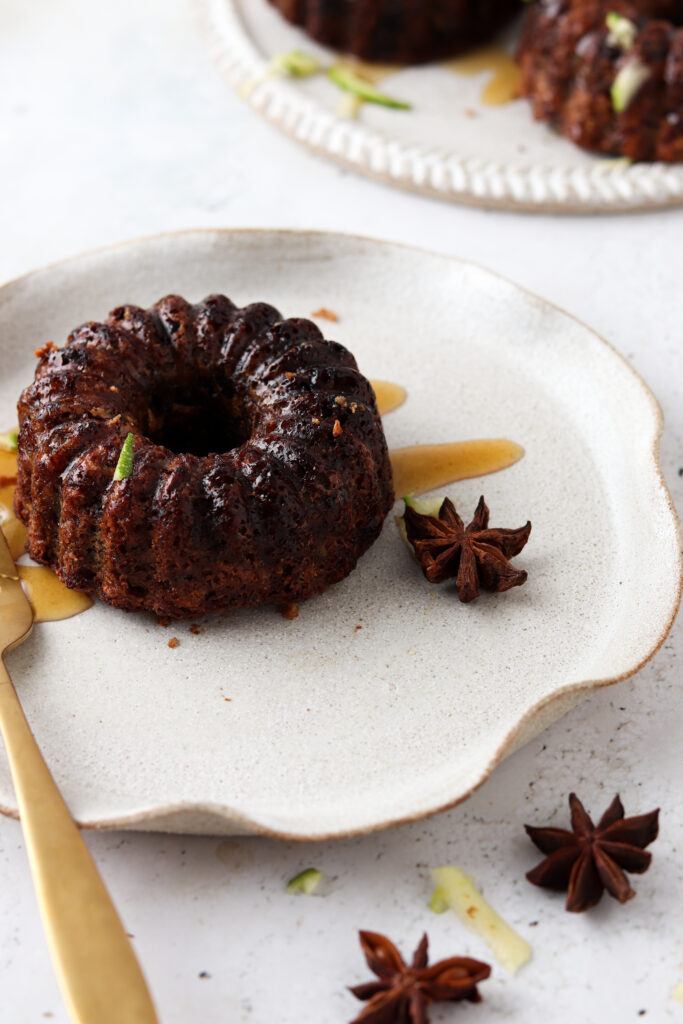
[8, 464]
[48, 596]
[389, 396]
[504, 83]
[424, 467]
[416, 469]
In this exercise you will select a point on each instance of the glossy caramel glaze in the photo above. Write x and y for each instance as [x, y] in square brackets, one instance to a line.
[388, 396]
[424, 467]
[503, 82]
[402, 31]
[260, 467]
[50, 600]
[48, 596]
[569, 66]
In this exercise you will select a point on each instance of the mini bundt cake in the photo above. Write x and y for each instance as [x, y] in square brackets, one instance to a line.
[608, 74]
[401, 31]
[296, 492]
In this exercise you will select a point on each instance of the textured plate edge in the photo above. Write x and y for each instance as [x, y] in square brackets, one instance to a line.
[169, 817]
[443, 175]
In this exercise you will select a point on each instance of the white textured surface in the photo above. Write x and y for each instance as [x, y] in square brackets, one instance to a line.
[449, 145]
[116, 126]
[427, 693]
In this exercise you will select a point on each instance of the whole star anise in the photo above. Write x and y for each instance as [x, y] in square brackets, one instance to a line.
[593, 858]
[403, 993]
[475, 555]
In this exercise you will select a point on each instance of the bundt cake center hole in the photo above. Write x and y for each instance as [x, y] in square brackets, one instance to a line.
[669, 10]
[197, 423]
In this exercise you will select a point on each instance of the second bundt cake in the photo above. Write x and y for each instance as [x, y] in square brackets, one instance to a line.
[260, 470]
[608, 74]
[400, 31]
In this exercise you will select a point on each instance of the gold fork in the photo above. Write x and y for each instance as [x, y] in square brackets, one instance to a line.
[98, 973]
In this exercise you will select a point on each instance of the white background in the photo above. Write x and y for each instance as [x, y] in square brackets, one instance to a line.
[113, 124]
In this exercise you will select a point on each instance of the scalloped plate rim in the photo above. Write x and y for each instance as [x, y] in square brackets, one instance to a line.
[423, 170]
[168, 817]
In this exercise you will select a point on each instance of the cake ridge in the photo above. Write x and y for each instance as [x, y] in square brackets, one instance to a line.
[251, 482]
[571, 65]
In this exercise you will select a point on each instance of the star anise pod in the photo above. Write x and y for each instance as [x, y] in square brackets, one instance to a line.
[474, 555]
[593, 858]
[403, 993]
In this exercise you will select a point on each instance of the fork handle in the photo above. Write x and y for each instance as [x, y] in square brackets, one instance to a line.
[98, 973]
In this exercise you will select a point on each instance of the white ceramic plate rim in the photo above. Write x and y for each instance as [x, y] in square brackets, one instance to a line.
[202, 815]
[601, 186]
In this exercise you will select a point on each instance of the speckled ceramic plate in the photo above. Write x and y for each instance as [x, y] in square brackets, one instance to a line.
[314, 727]
[450, 145]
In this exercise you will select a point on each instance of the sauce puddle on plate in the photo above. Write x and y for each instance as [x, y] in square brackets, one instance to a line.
[416, 469]
[424, 467]
[503, 86]
[389, 396]
[49, 598]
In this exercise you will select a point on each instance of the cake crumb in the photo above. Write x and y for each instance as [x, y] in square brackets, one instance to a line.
[290, 611]
[288, 374]
[340, 400]
[358, 627]
[44, 350]
[316, 421]
[326, 314]
[173, 642]
[113, 387]
[194, 629]
[337, 429]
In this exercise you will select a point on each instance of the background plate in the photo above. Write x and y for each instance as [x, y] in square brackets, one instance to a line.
[498, 158]
[328, 729]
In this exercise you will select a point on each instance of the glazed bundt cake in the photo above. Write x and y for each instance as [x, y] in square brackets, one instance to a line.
[608, 74]
[260, 470]
[401, 31]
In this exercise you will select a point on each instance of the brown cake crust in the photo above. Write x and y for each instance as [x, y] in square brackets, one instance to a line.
[569, 66]
[400, 31]
[293, 490]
